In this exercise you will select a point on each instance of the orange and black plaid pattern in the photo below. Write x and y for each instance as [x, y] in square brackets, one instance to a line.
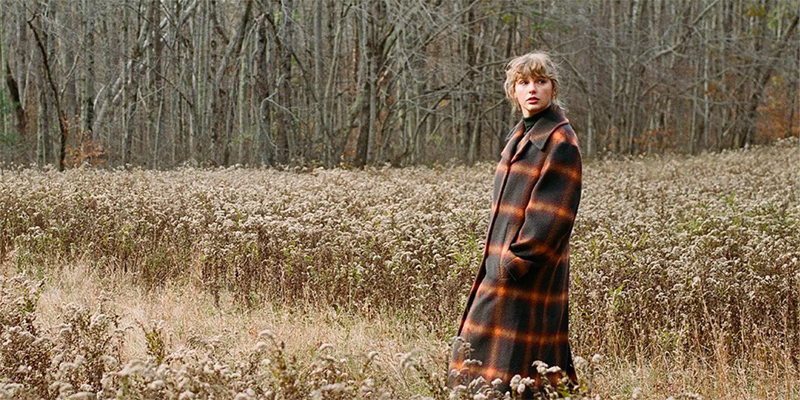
[517, 311]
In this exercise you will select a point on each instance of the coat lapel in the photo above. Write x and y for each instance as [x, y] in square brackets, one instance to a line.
[513, 138]
[552, 118]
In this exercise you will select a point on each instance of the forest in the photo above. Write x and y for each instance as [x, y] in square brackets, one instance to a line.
[159, 84]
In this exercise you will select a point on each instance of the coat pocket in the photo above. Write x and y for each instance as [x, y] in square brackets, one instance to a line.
[514, 267]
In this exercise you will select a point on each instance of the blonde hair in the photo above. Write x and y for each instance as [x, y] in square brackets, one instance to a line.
[531, 65]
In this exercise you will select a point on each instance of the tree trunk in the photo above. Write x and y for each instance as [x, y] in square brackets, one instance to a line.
[319, 112]
[261, 108]
[48, 73]
[87, 89]
[16, 101]
[362, 144]
[133, 87]
[232, 52]
[470, 99]
[284, 151]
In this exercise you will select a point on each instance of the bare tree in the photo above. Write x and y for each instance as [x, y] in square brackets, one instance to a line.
[160, 83]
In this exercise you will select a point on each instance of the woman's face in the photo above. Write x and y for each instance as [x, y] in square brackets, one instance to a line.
[533, 94]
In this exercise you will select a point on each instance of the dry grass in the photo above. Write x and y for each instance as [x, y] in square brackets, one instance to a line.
[685, 277]
[186, 313]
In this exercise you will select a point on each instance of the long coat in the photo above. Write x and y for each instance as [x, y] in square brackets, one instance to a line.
[517, 310]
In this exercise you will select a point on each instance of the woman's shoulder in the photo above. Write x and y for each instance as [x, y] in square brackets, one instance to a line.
[564, 134]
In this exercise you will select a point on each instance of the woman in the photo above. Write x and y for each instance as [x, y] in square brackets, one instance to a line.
[517, 311]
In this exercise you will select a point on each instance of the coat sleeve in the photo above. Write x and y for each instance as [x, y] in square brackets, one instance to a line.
[550, 212]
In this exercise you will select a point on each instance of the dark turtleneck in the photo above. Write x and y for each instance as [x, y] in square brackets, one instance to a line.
[531, 121]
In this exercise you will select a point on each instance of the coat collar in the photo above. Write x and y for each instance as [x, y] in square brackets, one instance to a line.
[551, 119]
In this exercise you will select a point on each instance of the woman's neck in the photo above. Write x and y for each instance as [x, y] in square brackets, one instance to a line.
[531, 120]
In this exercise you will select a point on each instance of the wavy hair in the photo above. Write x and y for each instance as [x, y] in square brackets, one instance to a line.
[532, 65]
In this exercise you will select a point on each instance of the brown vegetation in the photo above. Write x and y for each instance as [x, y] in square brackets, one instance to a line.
[682, 266]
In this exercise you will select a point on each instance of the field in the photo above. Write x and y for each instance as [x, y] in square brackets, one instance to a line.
[337, 284]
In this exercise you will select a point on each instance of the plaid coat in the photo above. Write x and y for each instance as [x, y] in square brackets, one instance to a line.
[517, 311]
